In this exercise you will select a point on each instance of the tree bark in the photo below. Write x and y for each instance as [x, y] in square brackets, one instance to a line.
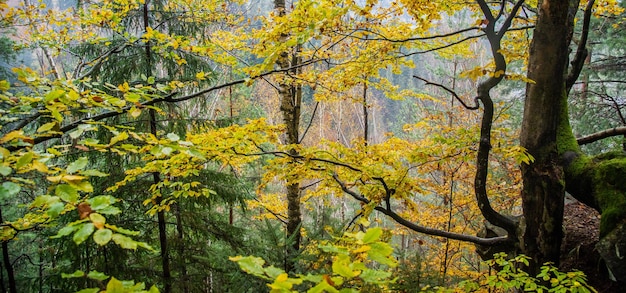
[6, 261]
[543, 179]
[290, 104]
[156, 177]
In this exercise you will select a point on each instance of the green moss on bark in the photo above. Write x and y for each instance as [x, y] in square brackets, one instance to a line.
[599, 182]
[610, 189]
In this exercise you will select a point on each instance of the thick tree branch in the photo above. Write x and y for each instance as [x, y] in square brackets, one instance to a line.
[601, 135]
[484, 145]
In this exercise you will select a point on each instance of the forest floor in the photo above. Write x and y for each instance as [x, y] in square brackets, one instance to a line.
[582, 229]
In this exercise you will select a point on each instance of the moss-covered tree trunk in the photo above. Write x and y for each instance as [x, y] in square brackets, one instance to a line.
[543, 189]
[560, 165]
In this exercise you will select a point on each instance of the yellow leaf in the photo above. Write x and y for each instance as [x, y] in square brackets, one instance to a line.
[46, 127]
[134, 112]
[12, 135]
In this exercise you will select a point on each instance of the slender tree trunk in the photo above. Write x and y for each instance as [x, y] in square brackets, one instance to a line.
[291, 100]
[165, 259]
[181, 250]
[156, 177]
[543, 188]
[6, 261]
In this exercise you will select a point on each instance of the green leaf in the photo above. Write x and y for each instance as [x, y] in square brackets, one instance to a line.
[82, 185]
[273, 272]
[374, 276]
[372, 234]
[76, 133]
[123, 231]
[322, 287]
[97, 219]
[120, 137]
[67, 230]
[250, 264]
[110, 210]
[100, 202]
[334, 249]
[95, 275]
[55, 209]
[66, 193]
[124, 241]
[381, 253]
[94, 173]
[5, 170]
[77, 165]
[115, 286]
[76, 274]
[55, 94]
[9, 189]
[341, 267]
[145, 246]
[89, 290]
[23, 160]
[83, 233]
[56, 114]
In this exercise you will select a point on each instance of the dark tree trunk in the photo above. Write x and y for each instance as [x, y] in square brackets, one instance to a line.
[6, 261]
[543, 189]
[181, 250]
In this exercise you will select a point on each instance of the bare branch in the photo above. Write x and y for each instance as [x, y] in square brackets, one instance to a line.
[601, 135]
[507, 23]
[476, 104]
[421, 229]
[581, 51]
[310, 123]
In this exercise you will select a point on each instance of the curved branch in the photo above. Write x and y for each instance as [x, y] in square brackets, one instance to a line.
[476, 105]
[581, 51]
[601, 135]
[507, 23]
[484, 145]
[421, 229]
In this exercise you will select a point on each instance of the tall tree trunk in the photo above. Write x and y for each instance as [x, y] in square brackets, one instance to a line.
[6, 261]
[181, 250]
[165, 258]
[543, 188]
[291, 99]
[156, 177]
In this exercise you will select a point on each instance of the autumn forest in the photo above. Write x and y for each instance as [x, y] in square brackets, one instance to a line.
[312, 146]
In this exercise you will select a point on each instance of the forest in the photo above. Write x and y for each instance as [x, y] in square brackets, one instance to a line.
[312, 146]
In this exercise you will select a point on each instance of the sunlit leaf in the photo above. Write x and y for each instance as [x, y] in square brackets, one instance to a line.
[102, 236]
[83, 233]
[78, 164]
